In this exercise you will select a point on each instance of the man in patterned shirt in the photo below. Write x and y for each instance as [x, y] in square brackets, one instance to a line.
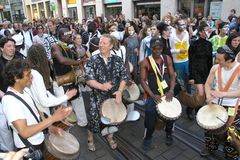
[106, 74]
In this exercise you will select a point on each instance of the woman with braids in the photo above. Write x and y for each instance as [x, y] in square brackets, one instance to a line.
[41, 83]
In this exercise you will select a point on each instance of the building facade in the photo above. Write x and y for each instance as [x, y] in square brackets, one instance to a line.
[80, 9]
[11, 10]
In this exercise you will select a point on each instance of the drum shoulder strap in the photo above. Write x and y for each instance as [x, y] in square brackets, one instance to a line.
[225, 89]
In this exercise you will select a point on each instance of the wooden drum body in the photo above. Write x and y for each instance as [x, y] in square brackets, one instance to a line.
[169, 110]
[112, 113]
[212, 118]
[64, 147]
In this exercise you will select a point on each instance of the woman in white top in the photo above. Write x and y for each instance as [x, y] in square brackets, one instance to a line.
[41, 83]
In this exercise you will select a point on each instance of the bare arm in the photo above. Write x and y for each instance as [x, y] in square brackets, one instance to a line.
[209, 83]
[57, 53]
[27, 131]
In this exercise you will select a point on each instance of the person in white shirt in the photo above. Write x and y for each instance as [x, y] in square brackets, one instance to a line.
[179, 42]
[145, 50]
[41, 84]
[39, 38]
[26, 124]
[28, 38]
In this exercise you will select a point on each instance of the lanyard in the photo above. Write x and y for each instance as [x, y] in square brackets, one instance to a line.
[162, 67]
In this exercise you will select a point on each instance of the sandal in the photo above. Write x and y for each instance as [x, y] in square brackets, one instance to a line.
[112, 143]
[91, 146]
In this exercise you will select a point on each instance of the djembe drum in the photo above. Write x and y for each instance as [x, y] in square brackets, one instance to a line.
[64, 147]
[131, 93]
[169, 110]
[213, 118]
[112, 113]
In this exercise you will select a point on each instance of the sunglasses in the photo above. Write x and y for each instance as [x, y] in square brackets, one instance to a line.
[67, 33]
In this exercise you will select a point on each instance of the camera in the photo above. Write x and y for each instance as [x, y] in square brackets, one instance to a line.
[33, 154]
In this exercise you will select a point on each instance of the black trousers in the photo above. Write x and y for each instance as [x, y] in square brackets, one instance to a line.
[150, 120]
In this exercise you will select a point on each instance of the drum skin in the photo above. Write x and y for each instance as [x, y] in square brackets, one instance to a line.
[116, 113]
[212, 117]
[64, 147]
[169, 110]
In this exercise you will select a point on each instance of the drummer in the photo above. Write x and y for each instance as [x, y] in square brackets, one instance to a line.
[155, 86]
[225, 60]
[107, 76]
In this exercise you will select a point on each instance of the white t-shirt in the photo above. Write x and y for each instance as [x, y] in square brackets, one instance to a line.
[38, 39]
[41, 96]
[14, 110]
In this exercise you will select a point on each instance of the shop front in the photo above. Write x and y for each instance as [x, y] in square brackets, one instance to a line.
[89, 7]
[147, 7]
[112, 7]
[207, 7]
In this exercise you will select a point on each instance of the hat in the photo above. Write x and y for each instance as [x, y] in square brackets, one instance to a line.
[226, 50]
[156, 42]
[18, 39]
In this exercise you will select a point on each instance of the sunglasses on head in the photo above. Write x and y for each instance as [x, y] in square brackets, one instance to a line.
[67, 33]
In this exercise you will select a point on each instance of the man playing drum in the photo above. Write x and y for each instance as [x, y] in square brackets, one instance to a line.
[107, 76]
[157, 79]
[221, 90]
[21, 111]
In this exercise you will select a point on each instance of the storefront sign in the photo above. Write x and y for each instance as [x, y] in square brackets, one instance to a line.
[89, 2]
[71, 1]
[215, 9]
[112, 1]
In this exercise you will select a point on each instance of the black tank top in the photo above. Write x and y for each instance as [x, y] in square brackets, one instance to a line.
[151, 77]
[61, 69]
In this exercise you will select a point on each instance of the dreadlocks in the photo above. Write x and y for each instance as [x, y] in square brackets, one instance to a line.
[37, 57]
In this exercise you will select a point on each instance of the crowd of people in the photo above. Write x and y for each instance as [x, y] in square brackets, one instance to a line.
[168, 55]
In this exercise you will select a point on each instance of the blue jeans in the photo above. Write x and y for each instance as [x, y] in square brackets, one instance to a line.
[151, 118]
[182, 70]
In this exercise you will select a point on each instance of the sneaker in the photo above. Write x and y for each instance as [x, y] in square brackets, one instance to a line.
[169, 140]
[146, 146]
[112, 129]
[205, 152]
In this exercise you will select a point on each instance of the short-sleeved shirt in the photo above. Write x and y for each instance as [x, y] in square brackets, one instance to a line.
[14, 110]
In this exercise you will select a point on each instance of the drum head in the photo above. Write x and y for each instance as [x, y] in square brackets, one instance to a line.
[66, 144]
[212, 116]
[169, 110]
[116, 113]
[133, 91]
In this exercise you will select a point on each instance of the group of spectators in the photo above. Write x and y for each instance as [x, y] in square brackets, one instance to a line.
[191, 43]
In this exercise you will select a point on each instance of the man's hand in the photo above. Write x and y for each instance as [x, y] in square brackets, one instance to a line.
[217, 94]
[156, 98]
[106, 86]
[182, 51]
[71, 93]
[169, 96]
[118, 95]
[55, 130]
[61, 113]
[16, 155]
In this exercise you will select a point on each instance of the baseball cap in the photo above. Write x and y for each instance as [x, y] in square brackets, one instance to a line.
[156, 42]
